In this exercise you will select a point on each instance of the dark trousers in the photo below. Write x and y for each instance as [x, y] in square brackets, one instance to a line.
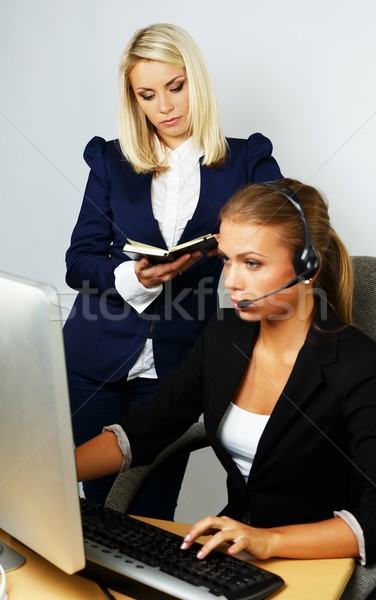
[94, 405]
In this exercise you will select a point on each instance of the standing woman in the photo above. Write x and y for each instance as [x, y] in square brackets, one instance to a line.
[163, 182]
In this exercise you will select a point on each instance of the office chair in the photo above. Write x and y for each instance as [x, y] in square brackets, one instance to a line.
[127, 485]
[364, 297]
[362, 584]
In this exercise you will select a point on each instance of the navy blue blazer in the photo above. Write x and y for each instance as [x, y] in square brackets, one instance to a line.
[103, 334]
[317, 453]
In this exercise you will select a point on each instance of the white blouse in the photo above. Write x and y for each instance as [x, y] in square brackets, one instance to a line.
[239, 433]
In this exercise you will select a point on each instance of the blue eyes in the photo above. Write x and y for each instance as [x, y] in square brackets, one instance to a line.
[250, 264]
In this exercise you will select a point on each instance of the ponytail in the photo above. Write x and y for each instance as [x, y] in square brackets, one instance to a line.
[336, 277]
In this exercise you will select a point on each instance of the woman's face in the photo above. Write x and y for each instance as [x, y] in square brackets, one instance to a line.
[161, 91]
[256, 263]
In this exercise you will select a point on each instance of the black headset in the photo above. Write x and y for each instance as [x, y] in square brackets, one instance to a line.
[306, 261]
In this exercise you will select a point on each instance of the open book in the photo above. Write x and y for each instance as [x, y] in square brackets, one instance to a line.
[156, 255]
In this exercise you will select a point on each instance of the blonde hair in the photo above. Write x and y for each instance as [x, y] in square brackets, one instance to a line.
[173, 46]
[263, 205]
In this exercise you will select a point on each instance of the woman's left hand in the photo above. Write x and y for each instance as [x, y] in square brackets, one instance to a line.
[258, 542]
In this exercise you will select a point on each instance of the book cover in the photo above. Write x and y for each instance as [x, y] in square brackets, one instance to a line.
[157, 255]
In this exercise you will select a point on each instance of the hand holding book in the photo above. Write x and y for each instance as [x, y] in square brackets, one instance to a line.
[155, 255]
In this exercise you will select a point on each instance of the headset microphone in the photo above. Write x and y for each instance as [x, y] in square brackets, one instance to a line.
[246, 302]
[306, 261]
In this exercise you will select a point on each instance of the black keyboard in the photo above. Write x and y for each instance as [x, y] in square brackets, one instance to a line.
[153, 556]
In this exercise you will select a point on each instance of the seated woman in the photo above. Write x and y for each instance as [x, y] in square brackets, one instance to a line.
[286, 385]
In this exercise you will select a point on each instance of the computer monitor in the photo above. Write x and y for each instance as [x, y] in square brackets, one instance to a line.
[39, 499]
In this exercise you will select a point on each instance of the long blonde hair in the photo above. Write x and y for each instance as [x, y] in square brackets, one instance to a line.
[171, 45]
[261, 204]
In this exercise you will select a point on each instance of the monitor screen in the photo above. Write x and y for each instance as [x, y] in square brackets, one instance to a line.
[39, 499]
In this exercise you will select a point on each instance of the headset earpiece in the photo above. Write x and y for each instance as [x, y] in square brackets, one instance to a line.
[307, 262]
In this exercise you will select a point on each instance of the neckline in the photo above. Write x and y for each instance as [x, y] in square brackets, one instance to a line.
[253, 414]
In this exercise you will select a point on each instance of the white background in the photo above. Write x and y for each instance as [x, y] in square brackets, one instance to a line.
[300, 71]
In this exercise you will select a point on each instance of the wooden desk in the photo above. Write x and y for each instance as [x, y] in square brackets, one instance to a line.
[37, 579]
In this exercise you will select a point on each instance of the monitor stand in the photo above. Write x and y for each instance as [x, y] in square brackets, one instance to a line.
[10, 559]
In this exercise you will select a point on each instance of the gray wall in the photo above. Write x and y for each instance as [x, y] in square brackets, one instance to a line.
[300, 71]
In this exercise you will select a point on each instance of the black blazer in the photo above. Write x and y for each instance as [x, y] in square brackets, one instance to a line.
[317, 453]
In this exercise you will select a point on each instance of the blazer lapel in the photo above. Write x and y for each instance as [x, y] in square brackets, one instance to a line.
[210, 202]
[138, 212]
[232, 359]
[305, 378]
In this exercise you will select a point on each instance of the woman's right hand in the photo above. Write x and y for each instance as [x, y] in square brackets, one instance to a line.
[150, 275]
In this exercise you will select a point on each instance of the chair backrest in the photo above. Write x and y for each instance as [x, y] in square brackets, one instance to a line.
[127, 485]
[364, 298]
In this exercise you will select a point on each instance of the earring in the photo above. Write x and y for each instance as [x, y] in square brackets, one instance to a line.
[307, 281]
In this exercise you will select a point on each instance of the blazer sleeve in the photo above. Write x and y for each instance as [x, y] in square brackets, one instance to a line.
[359, 408]
[262, 166]
[89, 259]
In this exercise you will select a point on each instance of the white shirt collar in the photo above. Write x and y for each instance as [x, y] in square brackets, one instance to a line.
[187, 150]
